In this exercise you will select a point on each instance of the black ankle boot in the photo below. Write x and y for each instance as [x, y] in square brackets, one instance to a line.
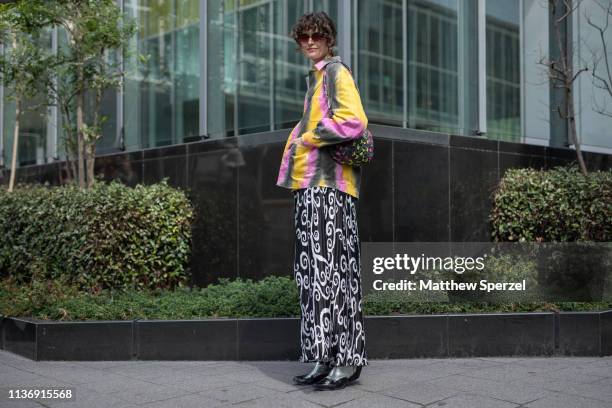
[310, 378]
[329, 384]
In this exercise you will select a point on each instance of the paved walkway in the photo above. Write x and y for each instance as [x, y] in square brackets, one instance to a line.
[449, 383]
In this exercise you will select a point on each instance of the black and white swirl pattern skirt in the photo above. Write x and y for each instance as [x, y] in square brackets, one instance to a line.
[327, 270]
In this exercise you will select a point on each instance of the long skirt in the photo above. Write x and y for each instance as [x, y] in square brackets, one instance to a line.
[327, 270]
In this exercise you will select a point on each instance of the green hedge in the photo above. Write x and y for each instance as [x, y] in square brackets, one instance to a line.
[270, 297]
[108, 236]
[557, 205]
[62, 300]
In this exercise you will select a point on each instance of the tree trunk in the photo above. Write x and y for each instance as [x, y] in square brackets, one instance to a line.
[70, 142]
[573, 137]
[15, 143]
[91, 152]
[72, 171]
[91, 145]
[80, 141]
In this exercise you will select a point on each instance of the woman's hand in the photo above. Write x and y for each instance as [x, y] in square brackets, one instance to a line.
[298, 141]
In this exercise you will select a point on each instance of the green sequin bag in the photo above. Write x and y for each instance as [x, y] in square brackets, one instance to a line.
[355, 152]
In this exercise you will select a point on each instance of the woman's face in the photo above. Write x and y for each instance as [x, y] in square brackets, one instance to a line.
[314, 45]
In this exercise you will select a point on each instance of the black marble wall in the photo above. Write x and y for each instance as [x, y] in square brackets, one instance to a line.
[422, 186]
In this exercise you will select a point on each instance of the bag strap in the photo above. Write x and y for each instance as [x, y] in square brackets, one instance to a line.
[327, 82]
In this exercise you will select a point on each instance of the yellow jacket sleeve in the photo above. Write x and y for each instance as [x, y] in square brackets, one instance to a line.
[348, 120]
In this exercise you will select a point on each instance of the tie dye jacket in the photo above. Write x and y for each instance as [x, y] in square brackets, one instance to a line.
[306, 161]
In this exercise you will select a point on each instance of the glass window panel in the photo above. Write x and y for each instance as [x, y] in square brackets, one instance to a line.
[32, 145]
[109, 142]
[61, 122]
[435, 42]
[379, 59]
[289, 65]
[432, 65]
[328, 6]
[161, 96]
[254, 65]
[503, 70]
[108, 107]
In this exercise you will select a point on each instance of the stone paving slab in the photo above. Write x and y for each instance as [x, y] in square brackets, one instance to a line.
[538, 382]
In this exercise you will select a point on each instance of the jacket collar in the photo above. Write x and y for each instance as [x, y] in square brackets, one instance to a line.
[321, 64]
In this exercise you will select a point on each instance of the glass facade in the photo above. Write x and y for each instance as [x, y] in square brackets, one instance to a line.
[220, 68]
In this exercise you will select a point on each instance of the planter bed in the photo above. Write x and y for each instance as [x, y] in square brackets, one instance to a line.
[398, 336]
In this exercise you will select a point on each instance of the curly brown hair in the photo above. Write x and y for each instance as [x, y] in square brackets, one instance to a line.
[316, 22]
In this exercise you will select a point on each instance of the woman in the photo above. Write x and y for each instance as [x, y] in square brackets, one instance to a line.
[327, 266]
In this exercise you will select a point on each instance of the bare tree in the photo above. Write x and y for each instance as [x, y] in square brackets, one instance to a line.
[561, 71]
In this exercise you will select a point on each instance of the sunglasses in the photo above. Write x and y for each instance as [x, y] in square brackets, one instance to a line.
[303, 38]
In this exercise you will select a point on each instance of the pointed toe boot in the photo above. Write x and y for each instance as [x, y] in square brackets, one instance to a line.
[308, 379]
[329, 384]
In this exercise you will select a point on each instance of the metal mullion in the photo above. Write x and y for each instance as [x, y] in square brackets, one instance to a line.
[252, 5]
[52, 118]
[120, 135]
[238, 67]
[441, 72]
[203, 88]
[173, 65]
[405, 66]
[1, 117]
[523, 135]
[430, 67]
[411, 47]
[355, 24]
[463, 123]
[482, 67]
[272, 66]
[344, 31]
[379, 63]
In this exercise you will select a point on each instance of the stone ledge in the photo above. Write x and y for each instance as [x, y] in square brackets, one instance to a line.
[402, 336]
